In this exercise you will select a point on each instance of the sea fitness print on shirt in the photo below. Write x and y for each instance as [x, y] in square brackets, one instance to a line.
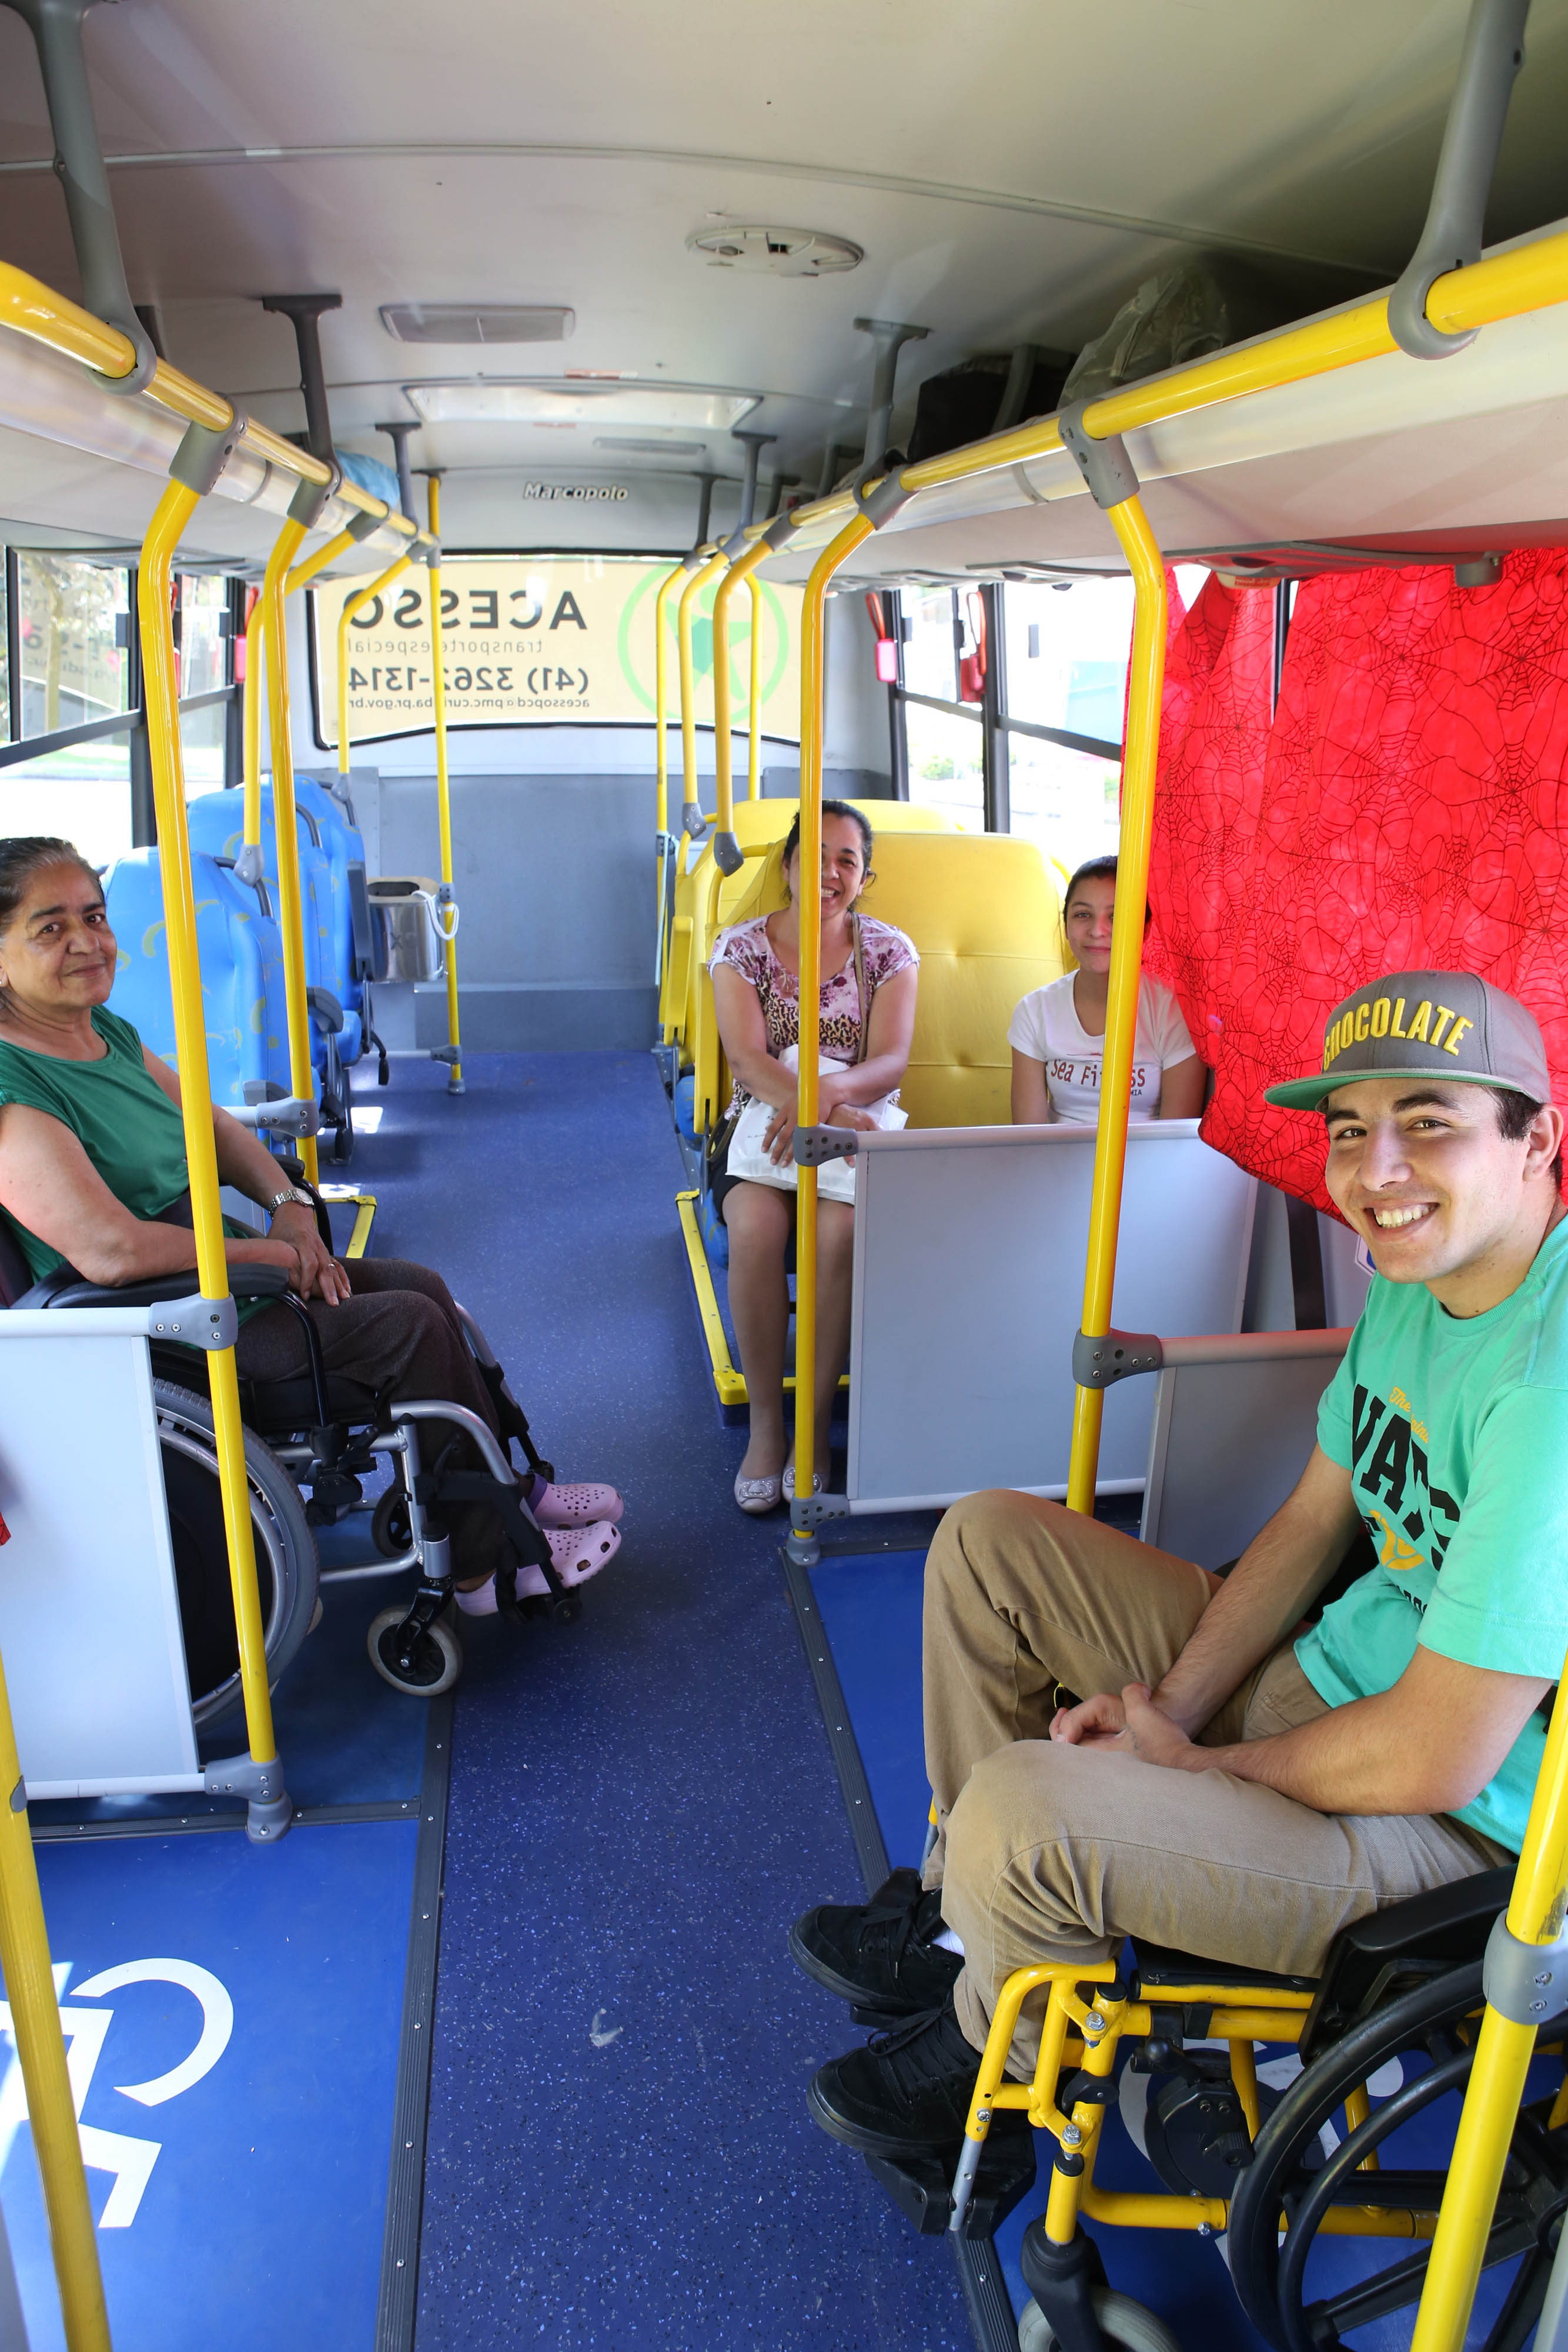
[1411, 1521]
[1087, 1075]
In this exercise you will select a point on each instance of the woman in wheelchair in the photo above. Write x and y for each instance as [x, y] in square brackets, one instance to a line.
[756, 998]
[93, 1176]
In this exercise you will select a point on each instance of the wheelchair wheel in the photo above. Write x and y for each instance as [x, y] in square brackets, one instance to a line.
[1427, 2030]
[1122, 2321]
[287, 1568]
[437, 1661]
[343, 1141]
[391, 1531]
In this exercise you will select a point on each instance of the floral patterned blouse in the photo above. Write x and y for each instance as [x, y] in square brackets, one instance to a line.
[748, 949]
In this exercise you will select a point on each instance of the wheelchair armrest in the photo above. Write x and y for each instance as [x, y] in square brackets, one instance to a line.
[325, 1008]
[66, 1288]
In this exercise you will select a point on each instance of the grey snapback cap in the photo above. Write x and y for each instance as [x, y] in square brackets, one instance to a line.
[1426, 1025]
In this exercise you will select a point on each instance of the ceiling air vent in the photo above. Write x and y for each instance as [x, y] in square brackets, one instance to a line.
[775, 252]
[477, 323]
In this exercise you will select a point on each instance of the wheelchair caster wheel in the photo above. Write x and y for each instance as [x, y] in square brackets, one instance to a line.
[390, 1532]
[566, 1609]
[438, 1657]
[1122, 2321]
[343, 1143]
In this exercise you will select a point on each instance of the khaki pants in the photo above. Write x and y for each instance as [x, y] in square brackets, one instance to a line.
[1047, 1852]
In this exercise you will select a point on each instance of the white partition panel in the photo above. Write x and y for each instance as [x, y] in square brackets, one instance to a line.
[90, 1618]
[969, 1287]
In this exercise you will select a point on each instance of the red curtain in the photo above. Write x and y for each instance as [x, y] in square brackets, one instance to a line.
[1406, 807]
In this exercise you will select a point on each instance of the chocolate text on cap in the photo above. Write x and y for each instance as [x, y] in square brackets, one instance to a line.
[1384, 1016]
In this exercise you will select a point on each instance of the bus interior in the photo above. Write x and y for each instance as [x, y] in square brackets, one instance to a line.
[455, 517]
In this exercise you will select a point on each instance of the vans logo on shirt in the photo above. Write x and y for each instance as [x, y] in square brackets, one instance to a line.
[1402, 1510]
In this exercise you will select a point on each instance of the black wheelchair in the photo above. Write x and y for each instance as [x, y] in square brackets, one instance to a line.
[310, 1443]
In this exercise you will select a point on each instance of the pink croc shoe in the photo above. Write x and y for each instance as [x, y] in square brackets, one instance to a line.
[576, 1554]
[578, 1505]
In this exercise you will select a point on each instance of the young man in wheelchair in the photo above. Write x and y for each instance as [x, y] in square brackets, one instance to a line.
[93, 1176]
[1231, 1782]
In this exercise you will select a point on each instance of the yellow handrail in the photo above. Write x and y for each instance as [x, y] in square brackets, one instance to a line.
[684, 615]
[34, 309]
[162, 707]
[1139, 757]
[255, 661]
[352, 605]
[342, 542]
[812, 611]
[41, 2054]
[290, 901]
[723, 749]
[447, 908]
[662, 700]
[754, 703]
[1503, 2052]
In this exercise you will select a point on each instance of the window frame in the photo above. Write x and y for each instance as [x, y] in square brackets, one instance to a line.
[18, 749]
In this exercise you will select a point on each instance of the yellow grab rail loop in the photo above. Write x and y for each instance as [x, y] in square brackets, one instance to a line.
[1139, 757]
[723, 748]
[446, 905]
[163, 705]
[813, 613]
[290, 902]
[685, 615]
[352, 605]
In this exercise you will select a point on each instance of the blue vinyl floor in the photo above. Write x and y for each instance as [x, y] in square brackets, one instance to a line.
[620, 2154]
[240, 2205]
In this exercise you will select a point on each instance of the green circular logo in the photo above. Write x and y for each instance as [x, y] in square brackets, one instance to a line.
[634, 643]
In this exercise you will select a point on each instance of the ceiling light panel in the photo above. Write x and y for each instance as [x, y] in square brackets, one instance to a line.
[477, 323]
[557, 400]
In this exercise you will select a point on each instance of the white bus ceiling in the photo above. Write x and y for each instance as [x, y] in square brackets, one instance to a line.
[1010, 174]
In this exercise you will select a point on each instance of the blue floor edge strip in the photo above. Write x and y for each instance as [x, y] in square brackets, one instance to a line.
[980, 2275]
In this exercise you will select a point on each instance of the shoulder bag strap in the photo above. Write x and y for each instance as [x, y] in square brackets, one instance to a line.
[864, 1047]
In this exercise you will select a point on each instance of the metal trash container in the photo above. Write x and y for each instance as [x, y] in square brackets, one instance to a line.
[406, 937]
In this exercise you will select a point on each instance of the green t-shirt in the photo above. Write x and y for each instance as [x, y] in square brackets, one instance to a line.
[1456, 1436]
[123, 1121]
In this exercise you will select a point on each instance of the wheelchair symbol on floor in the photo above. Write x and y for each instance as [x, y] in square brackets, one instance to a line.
[130, 2160]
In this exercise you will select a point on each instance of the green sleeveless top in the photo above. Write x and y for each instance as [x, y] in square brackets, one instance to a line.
[119, 1115]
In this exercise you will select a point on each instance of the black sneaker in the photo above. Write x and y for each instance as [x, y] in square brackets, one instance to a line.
[909, 2088]
[879, 1955]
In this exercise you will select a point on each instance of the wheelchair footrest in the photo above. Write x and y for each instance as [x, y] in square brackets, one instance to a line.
[921, 2184]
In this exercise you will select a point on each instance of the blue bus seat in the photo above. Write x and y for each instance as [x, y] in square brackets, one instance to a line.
[242, 970]
[327, 846]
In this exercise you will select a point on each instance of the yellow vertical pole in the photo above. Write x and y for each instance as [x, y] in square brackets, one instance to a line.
[662, 697]
[163, 705]
[754, 703]
[685, 614]
[1504, 2049]
[254, 676]
[1139, 757]
[41, 2052]
[812, 619]
[723, 744]
[352, 605]
[290, 904]
[446, 907]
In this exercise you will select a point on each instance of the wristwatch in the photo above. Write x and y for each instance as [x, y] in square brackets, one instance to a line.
[290, 1192]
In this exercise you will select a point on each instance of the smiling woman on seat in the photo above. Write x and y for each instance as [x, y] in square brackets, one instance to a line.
[1058, 1033]
[756, 997]
[93, 1174]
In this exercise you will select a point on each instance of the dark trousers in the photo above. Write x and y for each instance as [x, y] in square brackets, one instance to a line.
[400, 1335]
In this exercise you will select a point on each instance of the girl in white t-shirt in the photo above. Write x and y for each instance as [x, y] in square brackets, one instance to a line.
[1058, 1033]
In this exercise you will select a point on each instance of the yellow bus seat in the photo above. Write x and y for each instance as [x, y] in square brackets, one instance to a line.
[985, 912]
